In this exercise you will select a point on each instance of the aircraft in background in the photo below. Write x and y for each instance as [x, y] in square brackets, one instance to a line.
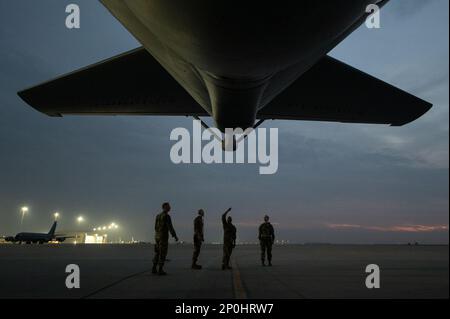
[35, 238]
[240, 63]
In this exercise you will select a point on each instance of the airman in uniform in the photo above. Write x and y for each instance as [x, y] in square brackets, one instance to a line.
[266, 239]
[229, 239]
[163, 225]
[198, 238]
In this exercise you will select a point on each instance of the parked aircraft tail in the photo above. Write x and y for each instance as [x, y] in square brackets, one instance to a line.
[53, 229]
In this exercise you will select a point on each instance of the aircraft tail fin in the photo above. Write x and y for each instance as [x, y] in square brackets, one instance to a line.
[53, 229]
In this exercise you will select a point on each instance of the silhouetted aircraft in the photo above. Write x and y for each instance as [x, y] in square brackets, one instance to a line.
[37, 237]
[238, 62]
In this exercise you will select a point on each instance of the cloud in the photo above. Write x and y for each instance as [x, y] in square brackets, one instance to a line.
[395, 228]
[252, 224]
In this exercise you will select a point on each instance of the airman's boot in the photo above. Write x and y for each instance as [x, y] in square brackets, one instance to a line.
[195, 266]
[161, 272]
[154, 271]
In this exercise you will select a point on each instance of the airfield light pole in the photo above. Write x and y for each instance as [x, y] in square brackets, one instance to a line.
[80, 219]
[113, 226]
[24, 210]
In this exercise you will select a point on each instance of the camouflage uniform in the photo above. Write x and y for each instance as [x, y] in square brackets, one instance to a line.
[163, 225]
[198, 238]
[229, 239]
[266, 238]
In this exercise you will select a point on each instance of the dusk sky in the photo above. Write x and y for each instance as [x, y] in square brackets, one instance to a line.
[336, 183]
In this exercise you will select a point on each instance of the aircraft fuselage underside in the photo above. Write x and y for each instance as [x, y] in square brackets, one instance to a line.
[232, 58]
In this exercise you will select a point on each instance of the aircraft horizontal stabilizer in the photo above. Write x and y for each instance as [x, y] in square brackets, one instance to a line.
[132, 83]
[334, 91]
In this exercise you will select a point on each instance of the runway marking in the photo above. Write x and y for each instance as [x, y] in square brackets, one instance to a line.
[302, 296]
[281, 282]
[114, 283]
[238, 286]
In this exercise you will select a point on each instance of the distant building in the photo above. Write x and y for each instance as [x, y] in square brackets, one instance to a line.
[87, 238]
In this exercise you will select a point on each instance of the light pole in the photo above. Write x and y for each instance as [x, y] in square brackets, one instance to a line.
[24, 210]
[56, 215]
[113, 227]
[80, 219]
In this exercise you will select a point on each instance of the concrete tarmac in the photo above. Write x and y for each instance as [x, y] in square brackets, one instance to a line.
[299, 271]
